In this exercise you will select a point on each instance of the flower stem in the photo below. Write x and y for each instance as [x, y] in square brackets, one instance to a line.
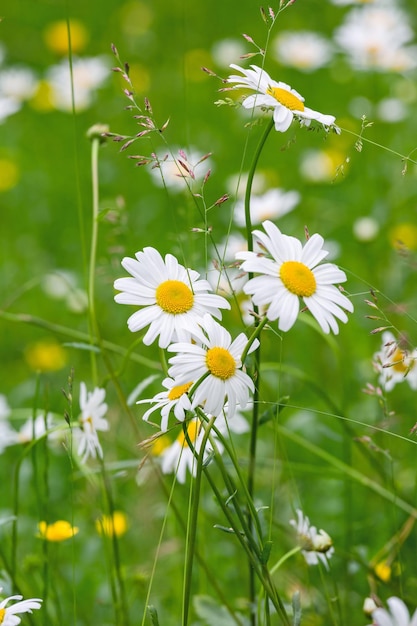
[95, 144]
[249, 183]
[192, 534]
[254, 426]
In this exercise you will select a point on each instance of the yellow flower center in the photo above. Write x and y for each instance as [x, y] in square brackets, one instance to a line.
[174, 296]
[220, 363]
[398, 362]
[298, 278]
[286, 98]
[193, 429]
[2, 614]
[177, 391]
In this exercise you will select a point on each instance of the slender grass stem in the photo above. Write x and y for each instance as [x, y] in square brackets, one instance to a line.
[95, 144]
[256, 371]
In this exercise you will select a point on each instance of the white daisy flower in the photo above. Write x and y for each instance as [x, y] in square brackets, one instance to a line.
[8, 614]
[173, 399]
[173, 298]
[93, 408]
[316, 546]
[285, 101]
[217, 358]
[398, 614]
[293, 273]
[374, 37]
[273, 204]
[88, 74]
[394, 364]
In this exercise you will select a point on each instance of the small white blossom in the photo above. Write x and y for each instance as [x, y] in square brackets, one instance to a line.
[315, 545]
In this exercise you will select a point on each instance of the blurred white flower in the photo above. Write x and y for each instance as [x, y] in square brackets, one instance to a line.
[365, 228]
[180, 170]
[93, 408]
[271, 205]
[226, 51]
[18, 83]
[391, 110]
[227, 281]
[315, 546]
[8, 106]
[395, 364]
[229, 246]
[319, 166]
[88, 74]
[236, 184]
[304, 50]
[374, 37]
[62, 285]
[34, 429]
[398, 614]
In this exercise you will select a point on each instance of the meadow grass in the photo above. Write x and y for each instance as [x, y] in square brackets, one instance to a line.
[134, 490]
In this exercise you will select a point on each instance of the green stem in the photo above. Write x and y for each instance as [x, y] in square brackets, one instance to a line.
[192, 534]
[121, 602]
[254, 427]
[283, 559]
[95, 144]
[249, 183]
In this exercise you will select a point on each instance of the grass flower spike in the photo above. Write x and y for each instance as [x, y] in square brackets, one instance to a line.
[315, 546]
[293, 273]
[216, 358]
[8, 614]
[270, 94]
[398, 614]
[173, 298]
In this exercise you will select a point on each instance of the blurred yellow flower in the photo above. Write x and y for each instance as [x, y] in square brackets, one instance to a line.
[55, 36]
[383, 571]
[136, 18]
[111, 525]
[58, 531]
[42, 100]
[404, 235]
[9, 174]
[45, 356]
[140, 77]
[160, 444]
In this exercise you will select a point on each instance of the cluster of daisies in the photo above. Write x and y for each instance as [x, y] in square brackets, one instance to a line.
[178, 309]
